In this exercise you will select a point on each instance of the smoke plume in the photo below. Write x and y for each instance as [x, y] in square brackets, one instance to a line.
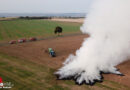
[108, 24]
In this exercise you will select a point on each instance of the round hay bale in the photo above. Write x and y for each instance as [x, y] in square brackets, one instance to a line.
[12, 42]
[21, 40]
[32, 39]
[24, 40]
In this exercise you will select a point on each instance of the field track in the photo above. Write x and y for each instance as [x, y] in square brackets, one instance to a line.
[35, 52]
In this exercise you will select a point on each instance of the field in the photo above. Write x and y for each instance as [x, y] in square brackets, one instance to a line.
[16, 29]
[78, 20]
[28, 66]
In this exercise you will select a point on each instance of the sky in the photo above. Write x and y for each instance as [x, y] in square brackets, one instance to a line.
[44, 6]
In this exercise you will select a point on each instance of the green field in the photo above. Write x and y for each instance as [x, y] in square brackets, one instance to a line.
[19, 28]
[27, 75]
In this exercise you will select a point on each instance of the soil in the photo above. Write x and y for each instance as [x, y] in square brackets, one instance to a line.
[63, 46]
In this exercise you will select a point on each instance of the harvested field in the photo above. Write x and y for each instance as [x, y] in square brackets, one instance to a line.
[77, 20]
[33, 58]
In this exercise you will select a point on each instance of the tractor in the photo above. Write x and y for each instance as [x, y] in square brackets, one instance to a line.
[51, 52]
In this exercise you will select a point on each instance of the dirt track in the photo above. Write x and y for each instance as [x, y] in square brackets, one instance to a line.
[35, 51]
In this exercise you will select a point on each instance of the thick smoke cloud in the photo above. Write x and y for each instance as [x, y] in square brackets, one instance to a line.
[108, 24]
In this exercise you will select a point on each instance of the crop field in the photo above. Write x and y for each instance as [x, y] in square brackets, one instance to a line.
[19, 28]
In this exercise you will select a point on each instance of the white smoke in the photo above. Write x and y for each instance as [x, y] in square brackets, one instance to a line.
[108, 24]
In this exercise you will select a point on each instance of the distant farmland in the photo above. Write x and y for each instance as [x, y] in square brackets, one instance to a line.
[33, 28]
